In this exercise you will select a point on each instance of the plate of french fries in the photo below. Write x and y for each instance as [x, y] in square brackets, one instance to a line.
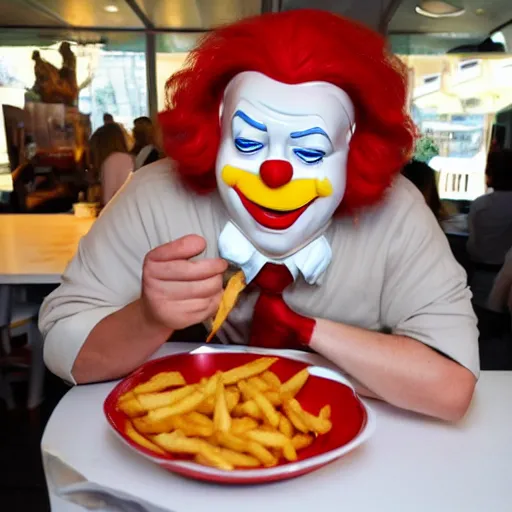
[232, 417]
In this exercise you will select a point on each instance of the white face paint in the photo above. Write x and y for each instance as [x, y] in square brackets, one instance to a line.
[281, 166]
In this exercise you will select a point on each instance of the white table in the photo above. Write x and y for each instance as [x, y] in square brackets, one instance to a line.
[36, 249]
[410, 464]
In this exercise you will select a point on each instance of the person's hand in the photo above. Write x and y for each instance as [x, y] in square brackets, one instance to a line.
[177, 292]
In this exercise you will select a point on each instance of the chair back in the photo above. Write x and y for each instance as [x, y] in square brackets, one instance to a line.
[5, 305]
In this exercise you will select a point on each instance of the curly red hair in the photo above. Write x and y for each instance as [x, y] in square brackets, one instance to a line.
[294, 47]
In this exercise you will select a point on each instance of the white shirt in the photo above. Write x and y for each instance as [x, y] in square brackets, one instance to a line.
[311, 261]
[392, 271]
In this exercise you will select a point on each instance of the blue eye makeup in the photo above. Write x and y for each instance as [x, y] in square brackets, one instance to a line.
[309, 156]
[247, 146]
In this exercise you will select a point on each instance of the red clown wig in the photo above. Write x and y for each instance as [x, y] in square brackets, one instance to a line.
[294, 47]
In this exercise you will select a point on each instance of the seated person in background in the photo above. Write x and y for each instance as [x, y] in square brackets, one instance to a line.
[424, 177]
[144, 149]
[500, 298]
[108, 118]
[110, 160]
[490, 226]
[284, 164]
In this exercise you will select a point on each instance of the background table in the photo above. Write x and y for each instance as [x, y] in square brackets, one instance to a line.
[410, 464]
[36, 249]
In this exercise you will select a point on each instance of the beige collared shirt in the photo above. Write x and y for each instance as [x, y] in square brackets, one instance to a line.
[392, 271]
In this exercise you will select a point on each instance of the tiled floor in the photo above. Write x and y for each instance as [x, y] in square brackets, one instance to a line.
[22, 483]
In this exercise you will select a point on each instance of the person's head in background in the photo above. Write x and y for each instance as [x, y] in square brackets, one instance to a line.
[143, 133]
[423, 176]
[105, 141]
[108, 118]
[499, 170]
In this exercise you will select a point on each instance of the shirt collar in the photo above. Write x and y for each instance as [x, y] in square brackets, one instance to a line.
[311, 261]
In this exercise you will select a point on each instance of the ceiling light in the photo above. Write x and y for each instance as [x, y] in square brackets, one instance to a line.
[438, 9]
[111, 8]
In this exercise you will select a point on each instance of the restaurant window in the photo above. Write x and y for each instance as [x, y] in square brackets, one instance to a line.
[110, 75]
[456, 100]
[172, 50]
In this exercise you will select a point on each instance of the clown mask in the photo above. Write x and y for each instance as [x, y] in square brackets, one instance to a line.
[281, 166]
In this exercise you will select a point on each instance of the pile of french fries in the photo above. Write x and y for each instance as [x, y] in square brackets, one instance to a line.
[241, 418]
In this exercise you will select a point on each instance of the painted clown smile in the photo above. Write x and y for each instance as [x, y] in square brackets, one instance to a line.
[274, 208]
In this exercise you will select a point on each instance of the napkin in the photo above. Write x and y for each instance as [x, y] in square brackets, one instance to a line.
[70, 485]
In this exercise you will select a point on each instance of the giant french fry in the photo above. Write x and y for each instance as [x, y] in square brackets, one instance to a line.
[233, 289]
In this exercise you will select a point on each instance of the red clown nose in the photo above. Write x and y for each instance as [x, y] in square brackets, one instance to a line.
[276, 173]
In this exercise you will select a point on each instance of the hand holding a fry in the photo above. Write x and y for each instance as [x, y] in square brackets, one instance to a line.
[178, 292]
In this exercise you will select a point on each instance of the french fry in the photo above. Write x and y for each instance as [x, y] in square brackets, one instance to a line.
[259, 383]
[295, 419]
[140, 439]
[199, 418]
[268, 410]
[176, 443]
[289, 452]
[228, 440]
[271, 379]
[314, 423]
[285, 426]
[207, 406]
[267, 439]
[239, 459]
[293, 385]
[262, 454]
[241, 425]
[248, 370]
[274, 397]
[131, 407]
[148, 425]
[232, 399]
[233, 289]
[214, 456]
[187, 404]
[127, 396]
[213, 459]
[159, 382]
[301, 441]
[221, 417]
[210, 388]
[274, 440]
[325, 412]
[151, 401]
[190, 428]
[250, 408]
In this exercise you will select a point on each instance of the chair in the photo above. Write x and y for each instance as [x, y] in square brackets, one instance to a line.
[18, 319]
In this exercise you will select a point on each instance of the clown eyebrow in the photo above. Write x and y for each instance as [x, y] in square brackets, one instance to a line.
[250, 121]
[310, 131]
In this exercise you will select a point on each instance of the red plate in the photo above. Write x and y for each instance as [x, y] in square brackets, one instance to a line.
[352, 421]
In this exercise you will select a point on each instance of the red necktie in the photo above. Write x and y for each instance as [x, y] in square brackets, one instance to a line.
[274, 324]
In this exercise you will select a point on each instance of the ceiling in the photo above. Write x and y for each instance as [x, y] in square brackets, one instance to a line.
[180, 22]
[481, 18]
[130, 14]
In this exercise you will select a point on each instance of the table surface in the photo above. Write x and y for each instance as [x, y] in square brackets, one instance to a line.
[37, 248]
[410, 463]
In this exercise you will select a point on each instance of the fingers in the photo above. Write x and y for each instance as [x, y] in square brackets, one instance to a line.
[183, 290]
[187, 270]
[203, 308]
[183, 248]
